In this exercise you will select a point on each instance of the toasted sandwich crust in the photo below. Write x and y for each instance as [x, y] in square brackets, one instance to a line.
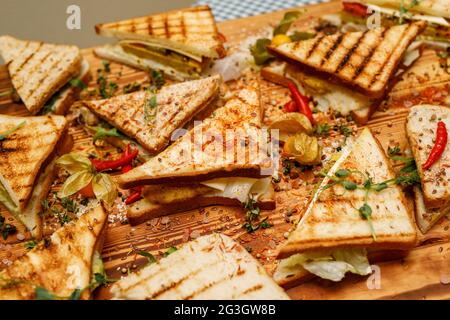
[38, 70]
[211, 267]
[23, 153]
[191, 29]
[421, 129]
[183, 161]
[365, 61]
[394, 230]
[145, 210]
[60, 265]
[176, 105]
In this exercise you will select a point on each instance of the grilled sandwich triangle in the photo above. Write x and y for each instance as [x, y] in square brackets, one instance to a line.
[365, 61]
[226, 145]
[332, 219]
[212, 267]
[191, 32]
[26, 155]
[171, 109]
[61, 265]
[332, 226]
[38, 70]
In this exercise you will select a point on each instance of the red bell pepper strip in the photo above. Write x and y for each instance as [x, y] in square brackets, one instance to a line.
[439, 146]
[290, 107]
[114, 164]
[356, 9]
[301, 101]
[135, 196]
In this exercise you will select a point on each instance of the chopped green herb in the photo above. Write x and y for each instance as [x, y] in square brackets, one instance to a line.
[106, 66]
[102, 133]
[157, 79]
[323, 129]
[30, 245]
[76, 294]
[150, 108]
[345, 131]
[69, 205]
[170, 251]
[43, 294]
[405, 9]
[151, 259]
[131, 87]
[77, 83]
[253, 213]
[394, 151]
[6, 229]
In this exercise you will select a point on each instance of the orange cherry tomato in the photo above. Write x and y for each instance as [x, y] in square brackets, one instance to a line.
[88, 191]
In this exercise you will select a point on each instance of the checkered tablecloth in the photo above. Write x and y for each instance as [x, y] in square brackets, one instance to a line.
[233, 9]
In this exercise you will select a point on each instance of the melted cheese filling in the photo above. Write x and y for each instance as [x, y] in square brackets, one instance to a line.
[238, 188]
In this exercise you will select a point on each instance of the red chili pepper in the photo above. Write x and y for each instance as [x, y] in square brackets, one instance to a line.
[290, 107]
[439, 146]
[301, 101]
[127, 152]
[115, 164]
[135, 196]
[357, 9]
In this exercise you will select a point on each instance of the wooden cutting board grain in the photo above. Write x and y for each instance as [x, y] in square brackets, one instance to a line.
[423, 274]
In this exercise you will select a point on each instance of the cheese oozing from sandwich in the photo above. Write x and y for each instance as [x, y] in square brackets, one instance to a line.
[238, 188]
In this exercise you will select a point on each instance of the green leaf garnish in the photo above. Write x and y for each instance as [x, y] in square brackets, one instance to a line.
[170, 251]
[300, 36]
[102, 133]
[151, 259]
[77, 83]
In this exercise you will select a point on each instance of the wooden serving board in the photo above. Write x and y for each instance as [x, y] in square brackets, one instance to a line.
[423, 274]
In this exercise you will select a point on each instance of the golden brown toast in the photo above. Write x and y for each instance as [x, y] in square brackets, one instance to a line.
[212, 267]
[38, 70]
[364, 61]
[60, 265]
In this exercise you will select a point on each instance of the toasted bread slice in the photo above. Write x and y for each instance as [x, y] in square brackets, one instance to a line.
[190, 31]
[229, 144]
[175, 106]
[364, 61]
[25, 151]
[332, 219]
[427, 218]
[421, 130]
[166, 200]
[212, 267]
[60, 265]
[62, 100]
[438, 8]
[335, 97]
[38, 70]
[116, 53]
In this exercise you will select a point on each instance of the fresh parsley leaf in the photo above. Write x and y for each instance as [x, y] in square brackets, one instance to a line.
[131, 87]
[394, 151]
[106, 66]
[345, 131]
[349, 185]
[259, 51]
[150, 108]
[286, 22]
[30, 245]
[78, 84]
[101, 133]
[157, 79]
[342, 173]
[170, 251]
[323, 129]
[148, 255]
[76, 294]
[6, 229]
[43, 294]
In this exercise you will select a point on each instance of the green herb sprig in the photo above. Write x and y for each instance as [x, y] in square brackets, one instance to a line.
[253, 213]
[5, 134]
